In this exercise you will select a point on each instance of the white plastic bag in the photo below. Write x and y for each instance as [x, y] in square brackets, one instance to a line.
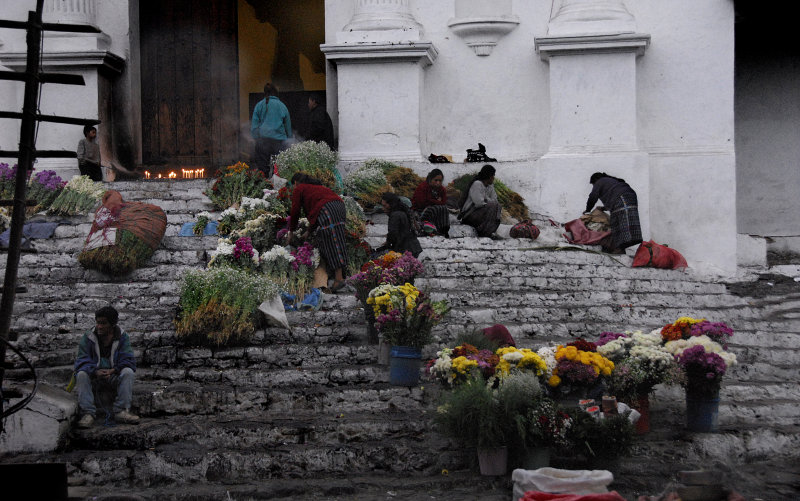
[560, 481]
[274, 311]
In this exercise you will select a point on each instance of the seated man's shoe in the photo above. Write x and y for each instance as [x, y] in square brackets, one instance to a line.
[86, 421]
[126, 417]
[495, 236]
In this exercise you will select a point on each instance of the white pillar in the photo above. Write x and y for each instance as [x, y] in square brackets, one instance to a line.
[380, 58]
[592, 51]
[70, 12]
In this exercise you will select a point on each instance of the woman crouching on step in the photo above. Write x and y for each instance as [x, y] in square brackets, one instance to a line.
[326, 213]
[620, 199]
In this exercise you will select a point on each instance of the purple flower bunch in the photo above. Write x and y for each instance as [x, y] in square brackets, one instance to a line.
[243, 247]
[487, 361]
[303, 255]
[717, 331]
[7, 173]
[393, 317]
[606, 337]
[704, 370]
[49, 180]
[576, 373]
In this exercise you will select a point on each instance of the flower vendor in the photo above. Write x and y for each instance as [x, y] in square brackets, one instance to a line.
[430, 202]
[326, 212]
[620, 199]
[479, 206]
[400, 236]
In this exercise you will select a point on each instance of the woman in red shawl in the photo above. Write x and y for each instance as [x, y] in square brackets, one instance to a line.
[430, 202]
[326, 213]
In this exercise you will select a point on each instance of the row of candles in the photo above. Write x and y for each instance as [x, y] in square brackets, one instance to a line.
[185, 174]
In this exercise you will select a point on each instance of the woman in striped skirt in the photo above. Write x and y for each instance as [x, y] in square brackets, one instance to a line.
[430, 202]
[326, 213]
[619, 198]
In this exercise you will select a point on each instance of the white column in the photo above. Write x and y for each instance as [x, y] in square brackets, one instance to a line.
[592, 51]
[576, 17]
[380, 58]
[70, 11]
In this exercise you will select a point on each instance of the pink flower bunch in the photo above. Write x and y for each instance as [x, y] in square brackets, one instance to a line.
[243, 247]
[718, 331]
[49, 180]
[704, 370]
[303, 255]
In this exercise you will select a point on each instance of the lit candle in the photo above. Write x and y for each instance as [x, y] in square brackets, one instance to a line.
[147, 174]
[172, 175]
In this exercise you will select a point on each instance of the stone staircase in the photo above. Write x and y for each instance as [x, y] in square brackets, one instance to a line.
[310, 414]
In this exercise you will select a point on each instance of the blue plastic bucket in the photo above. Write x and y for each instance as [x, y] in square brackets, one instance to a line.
[404, 365]
[702, 413]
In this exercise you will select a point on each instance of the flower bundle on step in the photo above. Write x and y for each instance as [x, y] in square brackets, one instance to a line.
[79, 196]
[366, 184]
[44, 187]
[220, 306]
[311, 158]
[234, 182]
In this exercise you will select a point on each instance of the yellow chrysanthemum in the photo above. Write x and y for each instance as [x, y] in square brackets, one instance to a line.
[554, 381]
[689, 320]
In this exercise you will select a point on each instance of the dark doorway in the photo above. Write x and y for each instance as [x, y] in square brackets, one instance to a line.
[190, 84]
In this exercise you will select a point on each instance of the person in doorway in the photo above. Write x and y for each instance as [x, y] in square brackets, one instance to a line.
[620, 199]
[430, 202]
[271, 126]
[105, 365]
[89, 155]
[479, 207]
[320, 126]
[326, 213]
[400, 236]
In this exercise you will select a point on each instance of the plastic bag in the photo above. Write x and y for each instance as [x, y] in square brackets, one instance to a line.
[563, 481]
[658, 256]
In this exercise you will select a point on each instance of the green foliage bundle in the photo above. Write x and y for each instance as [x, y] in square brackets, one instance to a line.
[472, 413]
[128, 253]
[403, 181]
[219, 306]
[367, 184]
[477, 339]
[234, 182]
[312, 158]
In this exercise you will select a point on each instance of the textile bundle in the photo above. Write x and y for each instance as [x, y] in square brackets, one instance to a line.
[123, 236]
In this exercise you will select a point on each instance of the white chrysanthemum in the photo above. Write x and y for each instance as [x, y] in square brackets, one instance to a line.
[224, 248]
[278, 252]
[652, 354]
[650, 339]
[254, 203]
[204, 214]
[615, 349]
[269, 193]
[513, 356]
[230, 211]
[548, 354]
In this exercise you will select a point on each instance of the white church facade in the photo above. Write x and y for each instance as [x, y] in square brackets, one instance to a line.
[694, 103]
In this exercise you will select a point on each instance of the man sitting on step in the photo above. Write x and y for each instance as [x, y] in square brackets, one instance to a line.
[104, 368]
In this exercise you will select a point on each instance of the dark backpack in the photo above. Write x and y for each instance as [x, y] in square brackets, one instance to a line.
[524, 229]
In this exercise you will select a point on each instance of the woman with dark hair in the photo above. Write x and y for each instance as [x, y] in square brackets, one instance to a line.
[430, 202]
[400, 236]
[480, 208]
[325, 211]
[620, 199]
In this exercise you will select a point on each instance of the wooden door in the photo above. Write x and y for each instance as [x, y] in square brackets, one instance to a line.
[190, 84]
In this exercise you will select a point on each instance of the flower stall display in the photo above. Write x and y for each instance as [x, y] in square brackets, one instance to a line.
[235, 254]
[641, 363]
[234, 182]
[404, 317]
[512, 360]
[79, 196]
[8, 177]
[220, 306]
[544, 431]
[577, 371]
